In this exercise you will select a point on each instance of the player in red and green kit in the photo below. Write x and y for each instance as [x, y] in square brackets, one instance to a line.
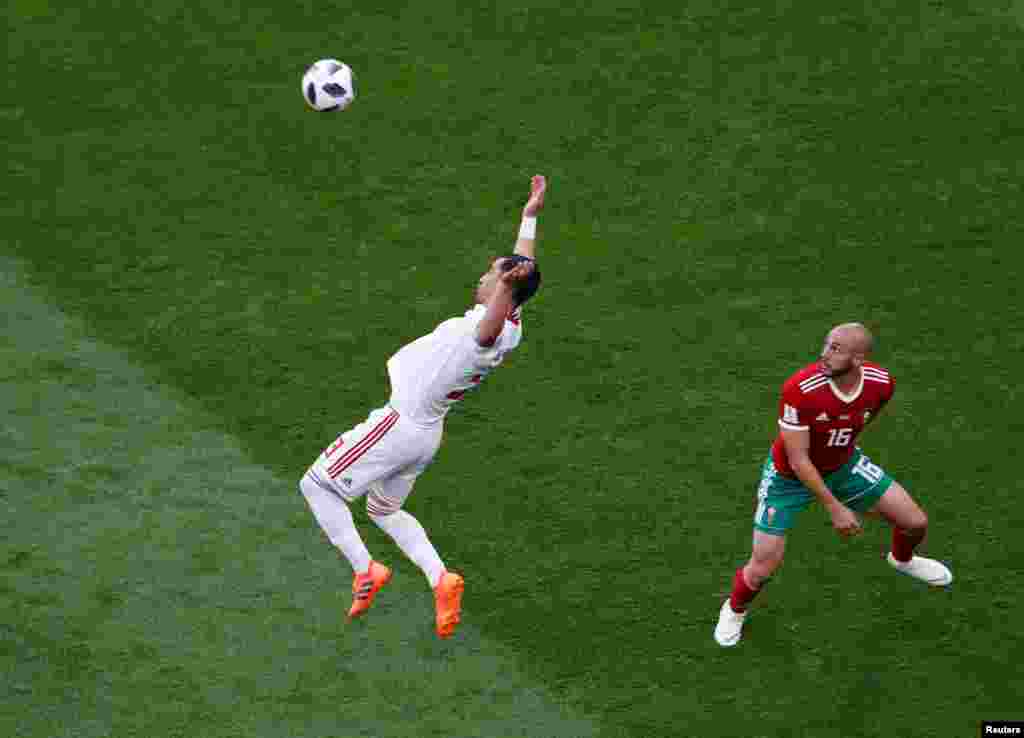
[823, 409]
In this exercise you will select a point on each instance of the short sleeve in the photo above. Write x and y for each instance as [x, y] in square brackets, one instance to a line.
[794, 411]
[487, 356]
[480, 357]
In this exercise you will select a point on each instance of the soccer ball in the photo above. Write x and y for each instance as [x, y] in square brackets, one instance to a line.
[328, 85]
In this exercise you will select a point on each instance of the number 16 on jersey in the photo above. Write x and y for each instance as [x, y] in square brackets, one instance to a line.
[840, 436]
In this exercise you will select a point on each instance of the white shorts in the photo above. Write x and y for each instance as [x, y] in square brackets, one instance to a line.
[383, 455]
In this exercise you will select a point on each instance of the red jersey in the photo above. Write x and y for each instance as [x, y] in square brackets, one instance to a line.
[812, 402]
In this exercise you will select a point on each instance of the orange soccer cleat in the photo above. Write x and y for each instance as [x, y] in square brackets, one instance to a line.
[448, 603]
[366, 586]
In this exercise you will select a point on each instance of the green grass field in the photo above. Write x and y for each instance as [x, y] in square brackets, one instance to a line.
[201, 282]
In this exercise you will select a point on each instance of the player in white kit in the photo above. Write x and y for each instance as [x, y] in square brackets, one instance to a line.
[382, 456]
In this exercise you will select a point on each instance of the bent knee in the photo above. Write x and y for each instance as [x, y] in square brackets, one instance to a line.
[918, 521]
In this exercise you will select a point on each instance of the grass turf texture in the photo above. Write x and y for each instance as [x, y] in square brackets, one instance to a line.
[727, 182]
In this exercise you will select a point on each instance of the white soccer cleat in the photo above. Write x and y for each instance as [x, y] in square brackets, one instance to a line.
[730, 625]
[931, 571]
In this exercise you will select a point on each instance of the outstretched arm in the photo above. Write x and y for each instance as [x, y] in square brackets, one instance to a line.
[501, 302]
[527, 241]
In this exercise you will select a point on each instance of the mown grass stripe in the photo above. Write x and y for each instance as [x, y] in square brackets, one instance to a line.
[157, 582]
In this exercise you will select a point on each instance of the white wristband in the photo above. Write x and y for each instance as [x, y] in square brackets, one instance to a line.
[528, 228]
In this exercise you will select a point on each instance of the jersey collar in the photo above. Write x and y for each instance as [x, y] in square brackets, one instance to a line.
[850, 397]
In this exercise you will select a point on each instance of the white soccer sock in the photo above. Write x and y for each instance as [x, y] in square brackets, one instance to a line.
[336, 520]
[407, 532]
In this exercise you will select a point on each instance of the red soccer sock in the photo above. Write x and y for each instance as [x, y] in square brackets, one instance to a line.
[904, 542]
[742, 593]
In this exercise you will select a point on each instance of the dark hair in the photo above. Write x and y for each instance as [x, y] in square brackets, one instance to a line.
[524, 290]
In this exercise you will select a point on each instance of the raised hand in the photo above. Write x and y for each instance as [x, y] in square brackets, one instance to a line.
[538, 185]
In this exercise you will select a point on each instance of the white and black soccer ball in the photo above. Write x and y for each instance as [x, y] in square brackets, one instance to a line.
[328, 85]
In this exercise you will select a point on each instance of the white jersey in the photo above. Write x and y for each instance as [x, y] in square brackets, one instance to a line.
[433, 372]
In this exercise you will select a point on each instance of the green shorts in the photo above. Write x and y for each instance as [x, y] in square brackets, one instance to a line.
[858, 484]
